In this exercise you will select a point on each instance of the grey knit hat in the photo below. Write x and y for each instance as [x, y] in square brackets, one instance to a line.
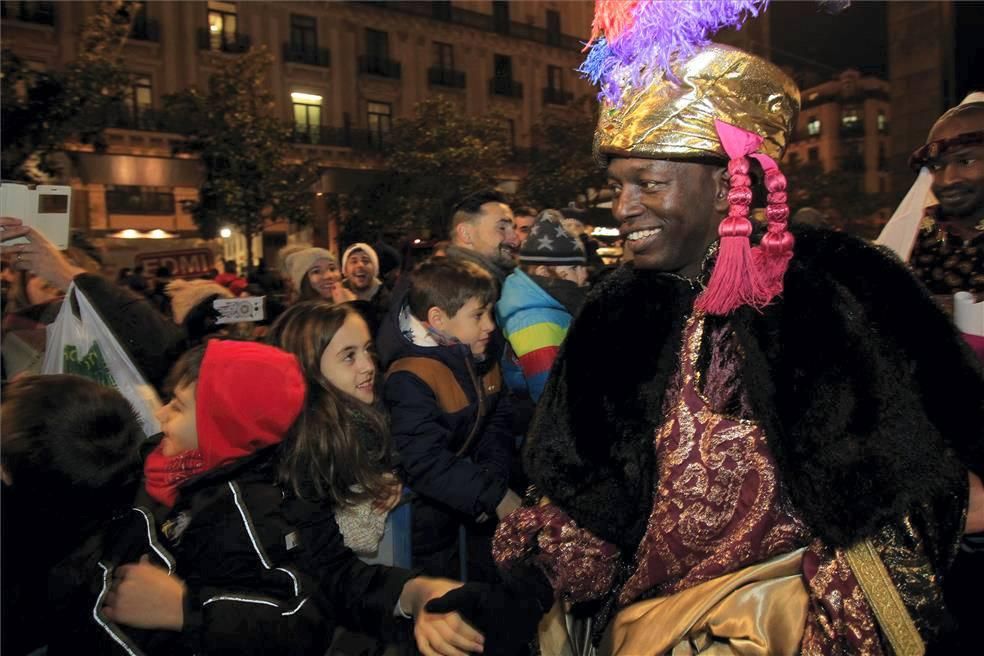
[300, 262]
[550, 244]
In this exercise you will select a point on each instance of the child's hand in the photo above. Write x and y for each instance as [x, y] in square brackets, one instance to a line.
[438, 634]
[146, 597]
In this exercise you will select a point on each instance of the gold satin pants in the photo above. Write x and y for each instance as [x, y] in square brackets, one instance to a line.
[757, 611]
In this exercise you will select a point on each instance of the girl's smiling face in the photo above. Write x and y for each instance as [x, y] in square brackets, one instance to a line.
[348, 363]
[323, 277]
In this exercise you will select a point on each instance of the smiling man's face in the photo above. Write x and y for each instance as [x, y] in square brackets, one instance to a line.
[668, 212]
[958, 172]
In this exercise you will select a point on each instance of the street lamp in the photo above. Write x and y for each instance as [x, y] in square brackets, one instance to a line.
[225, 233]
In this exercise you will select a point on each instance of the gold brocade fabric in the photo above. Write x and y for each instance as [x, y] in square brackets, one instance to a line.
[670, 120]
[757, 611]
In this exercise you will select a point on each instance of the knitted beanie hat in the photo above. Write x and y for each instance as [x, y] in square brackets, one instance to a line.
[365, 248]
[285, 253]
[186, 294]
[550, 244]
[299, 263]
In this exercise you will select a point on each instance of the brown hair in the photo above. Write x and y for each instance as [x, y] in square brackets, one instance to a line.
[307, 292]
[64, 434]
[448, 284]
[324, 450]
[186, 370]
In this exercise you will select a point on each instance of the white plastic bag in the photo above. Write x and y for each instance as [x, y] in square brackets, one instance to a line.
[85, 346]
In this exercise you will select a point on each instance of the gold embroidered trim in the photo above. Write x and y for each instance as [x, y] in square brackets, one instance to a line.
[893, 618]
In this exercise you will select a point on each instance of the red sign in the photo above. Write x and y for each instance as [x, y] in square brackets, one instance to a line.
[190, 263]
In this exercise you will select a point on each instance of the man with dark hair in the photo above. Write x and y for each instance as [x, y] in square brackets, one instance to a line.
[483, 231]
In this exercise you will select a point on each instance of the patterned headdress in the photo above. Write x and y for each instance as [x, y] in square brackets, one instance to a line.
[667, 92]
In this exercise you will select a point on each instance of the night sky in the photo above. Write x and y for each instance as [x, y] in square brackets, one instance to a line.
[805, 37]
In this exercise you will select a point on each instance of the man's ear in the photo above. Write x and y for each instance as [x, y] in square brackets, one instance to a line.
[463, 234]
[721, 178]
[436, 317]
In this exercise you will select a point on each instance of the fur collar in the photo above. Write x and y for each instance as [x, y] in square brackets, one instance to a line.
[869, 398]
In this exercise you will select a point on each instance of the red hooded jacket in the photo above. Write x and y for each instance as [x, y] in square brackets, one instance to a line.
[248, 396]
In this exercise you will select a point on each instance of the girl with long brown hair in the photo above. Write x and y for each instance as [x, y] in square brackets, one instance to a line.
[342, 451]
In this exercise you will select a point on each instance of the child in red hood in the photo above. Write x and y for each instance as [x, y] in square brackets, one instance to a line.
[205, 563]
[223, 577]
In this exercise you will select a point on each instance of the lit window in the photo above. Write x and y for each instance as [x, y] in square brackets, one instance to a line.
[882, 122]
[850, 118]
[307, 114]
[221, 25]
[813, 127]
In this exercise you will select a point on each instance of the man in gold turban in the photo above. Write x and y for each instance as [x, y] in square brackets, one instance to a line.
[779, 464]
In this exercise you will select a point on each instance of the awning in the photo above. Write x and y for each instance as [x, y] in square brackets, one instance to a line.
[132, 170]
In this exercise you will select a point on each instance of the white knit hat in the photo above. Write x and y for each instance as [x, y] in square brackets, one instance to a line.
[368, 250]
[299, 263]
[186, 294]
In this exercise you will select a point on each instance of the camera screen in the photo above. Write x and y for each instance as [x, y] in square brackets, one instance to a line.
[52, 203]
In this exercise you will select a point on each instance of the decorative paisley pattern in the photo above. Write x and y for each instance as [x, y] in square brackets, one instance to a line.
[718, 506]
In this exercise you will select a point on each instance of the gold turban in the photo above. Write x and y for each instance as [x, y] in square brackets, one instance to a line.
[670, 120]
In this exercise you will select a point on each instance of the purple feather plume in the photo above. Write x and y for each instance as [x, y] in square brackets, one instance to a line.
[663, 31]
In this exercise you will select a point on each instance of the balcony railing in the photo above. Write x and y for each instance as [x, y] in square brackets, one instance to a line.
[500, 86]
[146, 29]
[553, 96]
[147, 119]
[479, 21]
[310, 56]
[223, 42]
[338, 137]
[372, 65]
[446, 77]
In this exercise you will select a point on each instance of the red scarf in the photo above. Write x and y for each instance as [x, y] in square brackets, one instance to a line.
[164, 474]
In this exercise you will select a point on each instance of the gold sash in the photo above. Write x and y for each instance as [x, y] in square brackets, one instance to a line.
[759, 610]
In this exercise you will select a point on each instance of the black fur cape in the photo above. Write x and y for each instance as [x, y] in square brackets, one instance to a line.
[871, 402]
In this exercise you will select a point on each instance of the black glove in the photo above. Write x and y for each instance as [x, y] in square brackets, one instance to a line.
[507, 614]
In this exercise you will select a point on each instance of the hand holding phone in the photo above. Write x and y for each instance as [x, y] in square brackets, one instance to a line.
[46, 208]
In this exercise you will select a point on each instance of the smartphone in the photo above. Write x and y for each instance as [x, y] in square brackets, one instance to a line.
[46, 208]
[236, 310]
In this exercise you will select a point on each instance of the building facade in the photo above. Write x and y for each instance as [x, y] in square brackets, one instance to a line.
[844, 124]
[344, 72]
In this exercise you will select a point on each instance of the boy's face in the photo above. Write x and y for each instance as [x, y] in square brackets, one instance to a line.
[471, 325]
[178, 422]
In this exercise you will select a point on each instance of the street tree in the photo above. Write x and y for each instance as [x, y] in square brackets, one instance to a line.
[41, 110]
[250, 179]
[432, 159]
[562, 168]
